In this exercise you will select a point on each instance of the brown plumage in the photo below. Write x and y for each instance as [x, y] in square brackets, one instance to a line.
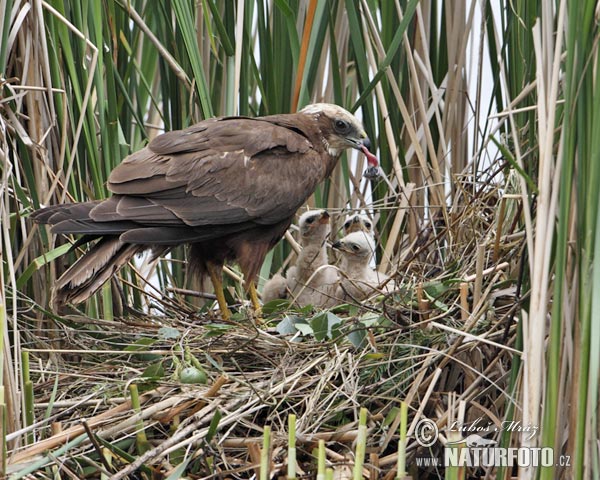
[228, 186]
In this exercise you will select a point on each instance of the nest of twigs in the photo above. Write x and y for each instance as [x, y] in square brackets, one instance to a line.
[443, 342]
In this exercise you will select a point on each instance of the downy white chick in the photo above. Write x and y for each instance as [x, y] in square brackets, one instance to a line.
[358, 281]
[311, 280]
[275, 287]
[300, 283]
[358, 222]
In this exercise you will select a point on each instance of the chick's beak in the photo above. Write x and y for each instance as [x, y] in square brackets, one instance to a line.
[337, 245]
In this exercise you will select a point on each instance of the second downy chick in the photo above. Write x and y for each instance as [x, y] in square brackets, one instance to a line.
[358, 222]
[358, 281]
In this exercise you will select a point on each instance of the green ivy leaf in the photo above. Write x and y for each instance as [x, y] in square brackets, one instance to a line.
[323, 323]
[168, 333]
[154, 371]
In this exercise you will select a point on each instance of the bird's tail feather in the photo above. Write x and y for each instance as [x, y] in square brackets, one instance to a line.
[94, 268]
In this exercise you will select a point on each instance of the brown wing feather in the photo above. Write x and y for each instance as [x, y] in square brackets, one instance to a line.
[220, 171]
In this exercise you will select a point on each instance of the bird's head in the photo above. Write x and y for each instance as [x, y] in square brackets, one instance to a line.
[358, 223]
[341, 130]
[314, 226]
[356, 245]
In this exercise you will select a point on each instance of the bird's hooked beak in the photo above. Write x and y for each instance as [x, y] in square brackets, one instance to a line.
[324, 217]
[337, 245]
[363, 144]
[314, 221]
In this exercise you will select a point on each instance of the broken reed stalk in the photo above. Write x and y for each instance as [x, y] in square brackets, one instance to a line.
[265, 454]
[321, 461]
[464, 301]
[96, 446]
[96, 421]
[2, 431]
[501, 213]
[423, 302]
[291, 458]
[479, 274]
[454, 437]
[361, 445]
[401, 465]
[28, 396]
[107, 455]
[395, 231]
[487, 271]
[107, 302]
[140, 431]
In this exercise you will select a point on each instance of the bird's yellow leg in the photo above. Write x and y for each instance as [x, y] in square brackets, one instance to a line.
[215, 277]
[254, 299]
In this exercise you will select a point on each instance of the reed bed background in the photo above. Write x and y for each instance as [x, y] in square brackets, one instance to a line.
[484, 117]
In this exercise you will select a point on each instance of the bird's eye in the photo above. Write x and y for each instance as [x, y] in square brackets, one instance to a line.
[368, 225]
[342, 126]
[310, 220]
[347, 225]
[355, 247]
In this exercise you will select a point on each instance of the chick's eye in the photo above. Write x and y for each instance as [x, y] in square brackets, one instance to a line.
[356, 248]
[342, 125]
[310, 220]
[347, 225]
[368, 224]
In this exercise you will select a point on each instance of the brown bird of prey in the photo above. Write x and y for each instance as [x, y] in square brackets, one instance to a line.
[228, 186]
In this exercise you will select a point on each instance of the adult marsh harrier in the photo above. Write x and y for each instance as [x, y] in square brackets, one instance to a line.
[229, 187]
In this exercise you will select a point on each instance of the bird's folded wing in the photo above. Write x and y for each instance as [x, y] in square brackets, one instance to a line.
[220, 171]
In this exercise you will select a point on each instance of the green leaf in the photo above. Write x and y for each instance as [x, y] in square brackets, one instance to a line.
[185, 22]
[320, 326]
[370, 319]
[513, 163]
[112, 447]
[391, 416]
[40, 262]
[141, 344]
[225, 40]
[358, 337]
[275, 306]
[154, 371]
[292, 324]
[390, 54]
[436, 289]
[168, 333]
[140, 347]
[180, 471]
[216, 329]
[323, 323]
[304, 328]
[214, 426]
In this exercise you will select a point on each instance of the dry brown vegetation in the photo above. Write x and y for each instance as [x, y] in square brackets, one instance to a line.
[487, 221]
